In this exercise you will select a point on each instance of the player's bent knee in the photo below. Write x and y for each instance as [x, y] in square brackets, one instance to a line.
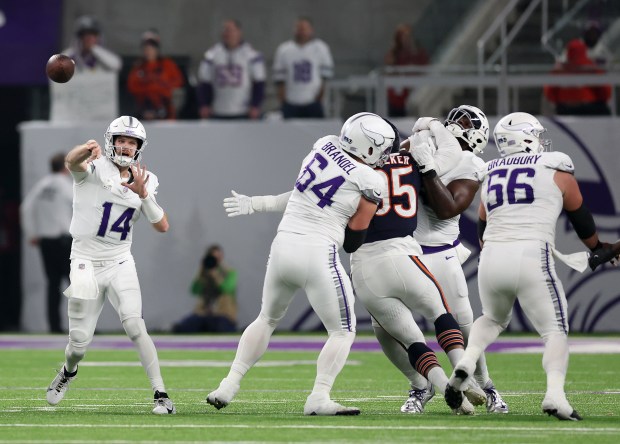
[134, 327]
[271, 322]
[78, 341]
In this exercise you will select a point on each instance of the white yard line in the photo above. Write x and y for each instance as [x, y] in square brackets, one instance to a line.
[567, 429]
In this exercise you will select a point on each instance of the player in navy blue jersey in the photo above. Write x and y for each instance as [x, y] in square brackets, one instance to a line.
[438, 234]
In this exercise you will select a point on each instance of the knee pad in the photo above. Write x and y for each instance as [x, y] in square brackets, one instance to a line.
[134, 327]
[448, 332]
[422, 358]
[273, 323]
[78, 341]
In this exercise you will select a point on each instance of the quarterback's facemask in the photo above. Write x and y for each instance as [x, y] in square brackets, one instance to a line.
[469, 124]
[124, 126]
[520, 133]
[368, 137]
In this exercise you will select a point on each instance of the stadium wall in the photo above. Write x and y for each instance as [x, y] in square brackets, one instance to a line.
[198, 163]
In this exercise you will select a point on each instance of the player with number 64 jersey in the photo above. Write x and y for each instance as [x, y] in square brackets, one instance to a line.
[335, 196]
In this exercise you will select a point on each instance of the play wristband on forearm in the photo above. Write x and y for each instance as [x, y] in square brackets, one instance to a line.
[153, 212]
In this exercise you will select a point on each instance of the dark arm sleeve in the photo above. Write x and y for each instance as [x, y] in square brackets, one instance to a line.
[353, 239]
[582, 221]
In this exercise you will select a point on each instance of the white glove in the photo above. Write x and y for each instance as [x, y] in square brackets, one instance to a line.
[238, 205]
[423, 123]
[423, 155]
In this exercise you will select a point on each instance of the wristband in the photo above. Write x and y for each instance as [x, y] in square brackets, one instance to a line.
[153, 212]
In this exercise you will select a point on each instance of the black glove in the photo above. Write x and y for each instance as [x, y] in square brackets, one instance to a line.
[604, 253]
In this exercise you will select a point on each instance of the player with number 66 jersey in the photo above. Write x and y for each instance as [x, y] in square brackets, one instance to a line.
[523, 193]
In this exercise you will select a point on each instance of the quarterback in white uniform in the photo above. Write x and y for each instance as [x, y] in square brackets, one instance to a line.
[231, 77]
[523, 193]
[109, 194]
[334, 199]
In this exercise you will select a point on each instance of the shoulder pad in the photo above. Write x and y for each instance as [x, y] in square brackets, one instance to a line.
[558, 161]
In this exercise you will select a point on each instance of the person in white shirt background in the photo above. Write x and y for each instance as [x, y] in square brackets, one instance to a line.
[46, 215]
[87, 50]
[231, 77]
[300, 68]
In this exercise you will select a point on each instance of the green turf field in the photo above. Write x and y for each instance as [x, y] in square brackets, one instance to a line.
[111, 401]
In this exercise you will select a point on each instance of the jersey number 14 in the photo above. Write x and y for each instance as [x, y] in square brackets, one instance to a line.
[120, 226]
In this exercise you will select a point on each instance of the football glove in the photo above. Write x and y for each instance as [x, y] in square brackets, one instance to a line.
[422, 153]
[605, 253]
[423, 123]
[238, 205]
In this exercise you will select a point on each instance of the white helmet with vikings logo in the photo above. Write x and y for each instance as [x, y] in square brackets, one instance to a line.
[368, 137]
[124, 126]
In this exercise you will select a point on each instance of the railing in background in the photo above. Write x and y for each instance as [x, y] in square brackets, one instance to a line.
[374, 86]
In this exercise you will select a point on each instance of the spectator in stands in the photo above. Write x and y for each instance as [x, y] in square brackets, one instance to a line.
[598, 51]
[300, 68]
[153, 80]
[216, 287]
[87, 51]
[46, 216]
[404, 51]
[231, 78]
[578, 100]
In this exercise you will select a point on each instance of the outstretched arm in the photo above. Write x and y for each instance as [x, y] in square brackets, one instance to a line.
[77, 159]
[241, 205]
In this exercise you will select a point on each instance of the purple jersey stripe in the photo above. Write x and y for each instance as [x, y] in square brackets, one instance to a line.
[553, 290]
[342, 297]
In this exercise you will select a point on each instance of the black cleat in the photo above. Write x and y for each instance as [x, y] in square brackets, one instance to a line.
[453, 397]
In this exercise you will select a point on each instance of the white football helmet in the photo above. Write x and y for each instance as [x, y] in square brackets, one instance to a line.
[124, 126]
[468, 123]
[368, 137]
[520, 133]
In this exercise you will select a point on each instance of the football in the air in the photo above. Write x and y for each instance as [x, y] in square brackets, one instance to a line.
[60, 68]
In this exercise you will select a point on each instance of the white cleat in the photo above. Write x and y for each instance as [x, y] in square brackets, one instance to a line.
[223, 395]
[417, 399]
[321, 405]
[57, 389]
[163, 404]
[495, 403]
[475, 394]
[560, 408]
